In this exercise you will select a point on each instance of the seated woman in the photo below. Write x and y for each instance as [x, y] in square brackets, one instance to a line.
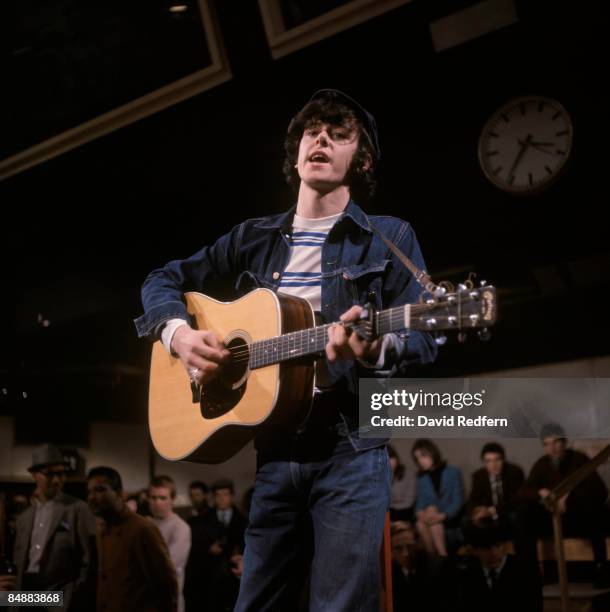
[439, 498]
[403, 489]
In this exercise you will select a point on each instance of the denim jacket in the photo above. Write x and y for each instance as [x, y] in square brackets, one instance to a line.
[357, 267]
[449, 499]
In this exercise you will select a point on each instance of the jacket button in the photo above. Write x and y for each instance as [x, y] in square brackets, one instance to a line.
[276, 275]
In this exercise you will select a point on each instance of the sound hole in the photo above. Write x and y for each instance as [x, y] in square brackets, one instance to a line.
[222, 394]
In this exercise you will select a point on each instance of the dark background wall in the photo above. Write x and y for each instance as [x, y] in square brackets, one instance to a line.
[81, 232]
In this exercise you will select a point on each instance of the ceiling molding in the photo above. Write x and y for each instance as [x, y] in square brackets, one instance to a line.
[283, 41]
[216, 73]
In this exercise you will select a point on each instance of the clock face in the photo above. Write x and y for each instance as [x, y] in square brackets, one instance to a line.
[525, 144]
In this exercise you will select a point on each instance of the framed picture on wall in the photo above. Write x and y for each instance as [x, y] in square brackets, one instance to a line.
[79, 70]
[293, 24]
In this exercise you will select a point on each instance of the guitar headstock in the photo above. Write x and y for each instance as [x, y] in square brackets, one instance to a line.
[465, 308]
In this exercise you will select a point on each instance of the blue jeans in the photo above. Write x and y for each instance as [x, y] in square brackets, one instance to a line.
[320, 484]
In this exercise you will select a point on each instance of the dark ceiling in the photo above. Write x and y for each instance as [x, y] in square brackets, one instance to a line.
[81, 231]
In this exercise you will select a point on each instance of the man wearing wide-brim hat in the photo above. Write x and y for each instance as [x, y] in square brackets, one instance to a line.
[52, 546]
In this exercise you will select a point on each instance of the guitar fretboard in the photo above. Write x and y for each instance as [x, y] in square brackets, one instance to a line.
[312, 340]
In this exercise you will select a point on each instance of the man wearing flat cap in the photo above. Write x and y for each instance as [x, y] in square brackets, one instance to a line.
[583, 510]
[327, 250]
[52, 546]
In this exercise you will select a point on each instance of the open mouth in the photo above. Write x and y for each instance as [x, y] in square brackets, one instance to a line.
[318, 158]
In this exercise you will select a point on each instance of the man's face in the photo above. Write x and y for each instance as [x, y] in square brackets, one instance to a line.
[325, 154]
[404, 547]
[102, 499]
[223, 499]
[491, 557]
[50, 480]
[554, 447]
[199, 499]
[160, 500]
[19, 504]
[493, 463]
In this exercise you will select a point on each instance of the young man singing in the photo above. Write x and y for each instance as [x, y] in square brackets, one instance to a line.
[322, 249]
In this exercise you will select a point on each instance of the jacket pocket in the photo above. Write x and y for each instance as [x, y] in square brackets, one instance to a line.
[365, 281]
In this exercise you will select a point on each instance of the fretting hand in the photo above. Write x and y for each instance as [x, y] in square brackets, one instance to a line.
[344, 343]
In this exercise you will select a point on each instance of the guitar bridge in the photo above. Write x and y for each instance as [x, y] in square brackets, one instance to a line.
[196, 391]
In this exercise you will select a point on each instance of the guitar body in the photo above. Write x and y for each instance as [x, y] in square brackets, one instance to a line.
[269, 382]
[230, 410]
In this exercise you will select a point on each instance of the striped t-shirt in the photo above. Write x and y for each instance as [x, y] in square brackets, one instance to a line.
[303, 274]
[303, 278]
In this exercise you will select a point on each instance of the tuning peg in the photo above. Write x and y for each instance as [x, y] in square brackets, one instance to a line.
[484, 334]
[441, 339]
[462, 337]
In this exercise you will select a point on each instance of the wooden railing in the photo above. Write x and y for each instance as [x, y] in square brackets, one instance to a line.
[552, 503]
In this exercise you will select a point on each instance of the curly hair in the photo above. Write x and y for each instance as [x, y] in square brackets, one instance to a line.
[360, 175]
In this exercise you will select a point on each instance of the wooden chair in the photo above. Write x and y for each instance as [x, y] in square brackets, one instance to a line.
[387, 603]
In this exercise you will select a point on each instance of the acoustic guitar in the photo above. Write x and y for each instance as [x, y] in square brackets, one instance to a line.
[273, 340]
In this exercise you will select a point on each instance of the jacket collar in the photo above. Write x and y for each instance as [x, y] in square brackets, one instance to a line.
[284, 221]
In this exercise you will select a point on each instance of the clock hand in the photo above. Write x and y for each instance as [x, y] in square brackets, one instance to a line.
[535, 143]
[546, 151]
[539, 146]
[524, 145]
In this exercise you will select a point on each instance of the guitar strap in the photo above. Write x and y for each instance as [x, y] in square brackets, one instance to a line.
[421, 276]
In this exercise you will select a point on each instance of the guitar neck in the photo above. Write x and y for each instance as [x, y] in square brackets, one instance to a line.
[467, 308]
[313, 340]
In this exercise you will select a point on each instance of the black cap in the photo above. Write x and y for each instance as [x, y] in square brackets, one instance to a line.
[368, 121]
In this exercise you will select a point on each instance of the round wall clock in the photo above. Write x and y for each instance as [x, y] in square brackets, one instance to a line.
[525, 144]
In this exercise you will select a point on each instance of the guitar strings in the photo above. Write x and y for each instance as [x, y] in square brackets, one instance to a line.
[257, 350]
[385, 316]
